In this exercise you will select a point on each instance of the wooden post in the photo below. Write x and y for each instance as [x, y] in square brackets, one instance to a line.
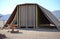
[26, 16]
[36, 18]
[17, 17]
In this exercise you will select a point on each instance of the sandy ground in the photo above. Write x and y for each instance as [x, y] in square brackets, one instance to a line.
[32, 34]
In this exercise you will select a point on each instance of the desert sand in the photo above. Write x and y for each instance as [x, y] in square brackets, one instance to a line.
[32, 34]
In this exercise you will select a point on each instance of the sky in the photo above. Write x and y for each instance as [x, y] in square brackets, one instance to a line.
[8, 6]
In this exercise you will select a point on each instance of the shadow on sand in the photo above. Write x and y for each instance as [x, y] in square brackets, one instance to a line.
[16, 32]
[42, 29]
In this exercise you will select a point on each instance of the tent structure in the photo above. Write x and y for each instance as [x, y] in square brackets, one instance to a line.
[32, 16]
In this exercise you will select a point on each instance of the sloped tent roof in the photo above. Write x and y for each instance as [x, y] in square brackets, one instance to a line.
[51, 17]
[47, 13]
[11, 17]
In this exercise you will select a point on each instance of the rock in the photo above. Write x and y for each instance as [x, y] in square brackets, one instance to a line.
[2, 36]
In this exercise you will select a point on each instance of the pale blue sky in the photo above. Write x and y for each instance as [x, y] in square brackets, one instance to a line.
[7, 6]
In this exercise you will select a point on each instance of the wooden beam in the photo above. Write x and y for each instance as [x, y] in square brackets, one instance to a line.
[36, 18]
[26, 16]
[17, 17]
